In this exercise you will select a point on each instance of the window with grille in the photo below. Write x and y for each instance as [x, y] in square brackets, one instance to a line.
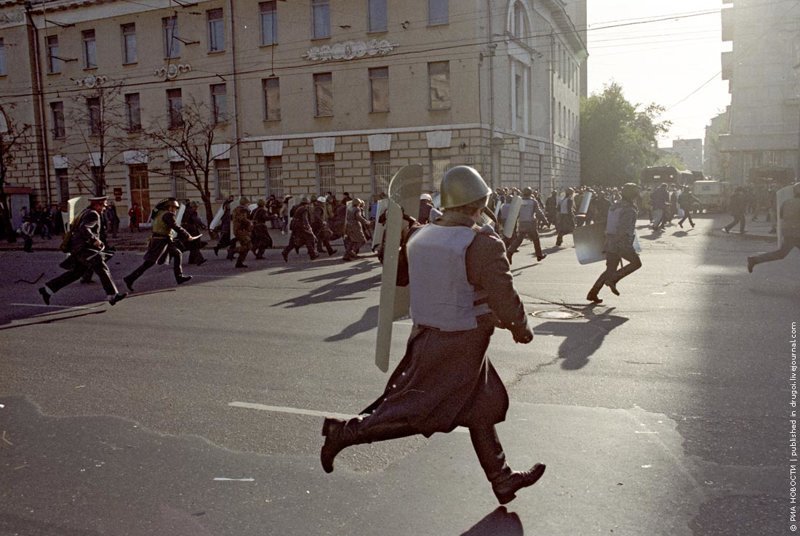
[269, 22]
[326, 173]
[439, 165]
[222, 171]
[323, 93]
[174, 108]
[57, 111]
[95, 118]
[133, 112]
[62, 179]
[177, 173]
[439, 83]
[53, 60]
[216, 30]
[129, 53]
[272, 99]
[274, 184]
[321, 19]
[219, 103]
[381, 172]
[378, 19]
[379, 89]
[172, 43]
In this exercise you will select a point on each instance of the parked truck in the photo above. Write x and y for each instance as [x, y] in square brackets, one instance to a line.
[712, 194]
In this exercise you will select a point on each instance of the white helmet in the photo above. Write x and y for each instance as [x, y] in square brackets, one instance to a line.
[426, 197]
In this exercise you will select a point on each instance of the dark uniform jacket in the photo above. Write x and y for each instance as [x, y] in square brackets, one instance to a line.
[445, 378]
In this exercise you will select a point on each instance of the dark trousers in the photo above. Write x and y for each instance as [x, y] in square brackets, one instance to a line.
[526, 230]
[612, 273]
[687, 214]
[300, 238]
[737, 218]
[96, 264]
[789, 243]
[172, 251]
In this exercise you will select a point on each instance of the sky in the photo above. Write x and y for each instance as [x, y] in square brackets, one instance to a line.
[661, 51]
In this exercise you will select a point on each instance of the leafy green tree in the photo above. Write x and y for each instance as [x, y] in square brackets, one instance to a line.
[618, 139]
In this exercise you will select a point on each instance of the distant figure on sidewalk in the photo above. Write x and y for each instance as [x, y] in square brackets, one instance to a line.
[135, 216]
[162, 243]
[688, 202]
[790, 214]
[85, 250]
[738, 208]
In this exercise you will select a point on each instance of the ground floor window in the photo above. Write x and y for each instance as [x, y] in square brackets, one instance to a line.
[274, 184]
[326, 173]
[381, 172]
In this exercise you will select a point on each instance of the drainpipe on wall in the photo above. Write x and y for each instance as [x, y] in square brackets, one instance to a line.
[552, 70]
[235, 99]
[38, 103]
[492, 47]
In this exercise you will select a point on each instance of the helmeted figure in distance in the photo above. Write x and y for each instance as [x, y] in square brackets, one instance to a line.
[461, 289]
[261, 239]
[161, 243]
[527, 226]
[242, 227]
[301, 232]
[620, 235]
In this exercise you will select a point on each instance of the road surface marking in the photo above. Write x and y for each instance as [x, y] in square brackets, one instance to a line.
[294, 411]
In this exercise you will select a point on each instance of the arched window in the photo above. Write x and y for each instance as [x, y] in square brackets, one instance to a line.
[519, 25]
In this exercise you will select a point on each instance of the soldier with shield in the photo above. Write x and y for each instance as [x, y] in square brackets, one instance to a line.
[620, 235]
[85, 250]
[162, 243]
[461, 289]
[529, 212]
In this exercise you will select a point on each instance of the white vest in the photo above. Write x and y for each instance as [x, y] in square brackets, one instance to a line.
[441, 295]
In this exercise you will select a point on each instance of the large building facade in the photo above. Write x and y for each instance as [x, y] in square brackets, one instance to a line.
[762, 70]
[294, 97]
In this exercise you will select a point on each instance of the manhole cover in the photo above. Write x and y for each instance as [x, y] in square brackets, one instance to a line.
[557, 314]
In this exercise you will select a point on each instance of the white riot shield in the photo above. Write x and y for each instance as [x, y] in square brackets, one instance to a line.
[783, 195]
[74, 207]
[404, 191]
[377, 236]
[178, 219]
[589, 243]
[585, 200]
[513, 215]
[215, 221]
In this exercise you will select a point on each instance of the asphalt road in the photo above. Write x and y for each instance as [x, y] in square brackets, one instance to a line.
[196, 410]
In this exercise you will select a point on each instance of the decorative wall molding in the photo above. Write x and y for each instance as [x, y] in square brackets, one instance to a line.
[220, 151]
[439, 139]
[92, 81]
[380, 142]
[272, 148]
[350, 50]
[60, 162]
[324, 145]
[171, 71]
[12, 16]
[135, 157]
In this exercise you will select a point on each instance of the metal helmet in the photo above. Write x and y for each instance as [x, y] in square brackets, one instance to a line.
[630, 191]
[527, 192]
[462, 185]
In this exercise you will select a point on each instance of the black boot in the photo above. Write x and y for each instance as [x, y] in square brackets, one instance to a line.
[505, 482]
[340, 434]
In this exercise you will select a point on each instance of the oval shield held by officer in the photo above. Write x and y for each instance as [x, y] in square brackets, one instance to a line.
[461, 290]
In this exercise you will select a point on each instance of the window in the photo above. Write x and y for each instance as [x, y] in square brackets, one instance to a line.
[321, 18]
[439, 166]
[219, 103]
[377, 15]
[269, 23]
[323, 93]
[2, 57]
[520, 27]
[174, 108]
[133, 112]
[439, 84]
[57, 113]
[326, 173]
[177, 172]
[172, 43]
[53, 61]
[379, 89]
[62, 179]
[89, 49]
[381, 172]
[274, 176]
[95, 119]
[216, 30]
[129, 43]
[272, 99]
[222, 171]
[438, 12]
[519, 94]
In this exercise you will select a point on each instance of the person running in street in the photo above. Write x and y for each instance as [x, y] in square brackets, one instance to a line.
[790, 226]
[738, 209]
[620, 235]
[85, 250]
[161, 243]
[461, 289]
[688, 202]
